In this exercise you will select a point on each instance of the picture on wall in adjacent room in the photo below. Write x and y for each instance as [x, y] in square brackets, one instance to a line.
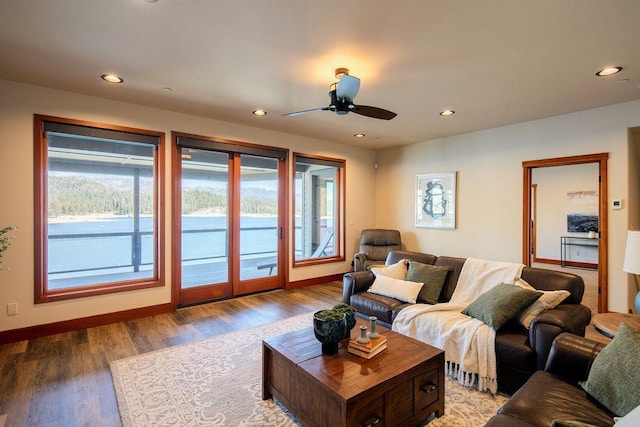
[436, 200]
[582, 211]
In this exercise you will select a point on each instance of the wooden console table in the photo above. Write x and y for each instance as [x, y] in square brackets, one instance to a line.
[575, 241]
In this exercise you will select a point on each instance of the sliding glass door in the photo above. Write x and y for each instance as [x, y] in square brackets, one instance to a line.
[230, 240]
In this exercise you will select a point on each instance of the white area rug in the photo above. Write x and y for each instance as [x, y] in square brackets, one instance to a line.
[218, 382]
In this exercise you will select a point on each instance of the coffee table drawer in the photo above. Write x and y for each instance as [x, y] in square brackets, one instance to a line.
[369, 413]
[426, 389]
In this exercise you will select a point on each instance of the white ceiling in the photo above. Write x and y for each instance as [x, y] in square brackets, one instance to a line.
[494, 62]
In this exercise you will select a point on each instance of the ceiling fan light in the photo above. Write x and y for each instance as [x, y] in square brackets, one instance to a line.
[341, 72]
[609, 71]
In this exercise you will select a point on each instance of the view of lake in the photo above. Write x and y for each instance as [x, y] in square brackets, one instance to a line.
[77, 253]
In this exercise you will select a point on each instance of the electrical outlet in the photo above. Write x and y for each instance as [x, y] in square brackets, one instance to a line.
[12, 309]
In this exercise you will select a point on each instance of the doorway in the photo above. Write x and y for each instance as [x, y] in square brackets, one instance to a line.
[530, 224]
[229, 201]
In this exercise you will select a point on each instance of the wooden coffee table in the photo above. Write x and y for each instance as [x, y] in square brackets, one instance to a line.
[402, 385]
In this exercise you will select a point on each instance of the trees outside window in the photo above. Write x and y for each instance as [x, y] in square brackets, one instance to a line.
[97, 208]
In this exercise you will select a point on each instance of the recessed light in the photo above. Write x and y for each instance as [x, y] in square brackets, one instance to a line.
[609, 71]
[259, 113]
[447, 113]
[359, 135]
[112, 78]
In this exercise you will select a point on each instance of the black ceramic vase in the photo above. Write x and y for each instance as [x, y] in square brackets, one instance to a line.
[329, 329]
[350, 314]
[350, 319]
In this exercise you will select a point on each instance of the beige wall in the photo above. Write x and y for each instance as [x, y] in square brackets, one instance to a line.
[489, 202]
[18, 104]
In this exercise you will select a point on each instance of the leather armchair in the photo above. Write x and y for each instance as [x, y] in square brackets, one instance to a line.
[554, 394]
[375, 245]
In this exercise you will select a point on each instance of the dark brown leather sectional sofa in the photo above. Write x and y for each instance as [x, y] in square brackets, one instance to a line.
[519, 352]
[554, 394]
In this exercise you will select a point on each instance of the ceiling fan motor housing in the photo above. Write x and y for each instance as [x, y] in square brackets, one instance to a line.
[340, 106]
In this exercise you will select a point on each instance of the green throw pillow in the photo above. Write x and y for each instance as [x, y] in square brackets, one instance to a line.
[433, 277]
[500, 304]
[614, 378]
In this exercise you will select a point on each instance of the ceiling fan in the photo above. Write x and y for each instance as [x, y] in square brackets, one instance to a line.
[342, 94]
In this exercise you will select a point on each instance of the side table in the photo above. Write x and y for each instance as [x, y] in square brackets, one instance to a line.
[608, 323]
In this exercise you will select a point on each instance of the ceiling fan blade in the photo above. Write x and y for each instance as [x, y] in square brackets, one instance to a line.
[298, 113]
[348, 87]
[374, 112]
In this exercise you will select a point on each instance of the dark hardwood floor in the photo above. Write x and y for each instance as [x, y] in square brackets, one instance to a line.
[64, 379]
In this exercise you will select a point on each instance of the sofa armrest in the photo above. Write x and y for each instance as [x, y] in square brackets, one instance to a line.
[359, 262]
[355, 282]
[572, 318]
[571, 356]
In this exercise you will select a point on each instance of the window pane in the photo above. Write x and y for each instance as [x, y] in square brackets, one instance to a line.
[100, 211]
[316, 208]
[205, 235]
[258, 217]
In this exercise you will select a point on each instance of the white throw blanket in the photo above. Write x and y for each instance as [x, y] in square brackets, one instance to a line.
[468, 343]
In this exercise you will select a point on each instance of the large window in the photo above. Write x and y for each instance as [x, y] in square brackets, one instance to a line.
[318, 204]
[97, 209]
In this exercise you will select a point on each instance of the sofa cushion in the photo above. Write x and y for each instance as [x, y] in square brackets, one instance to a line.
[500, 304]
[614, 378]
[547, 301]
[395, 256]
[395, 288]
[454, 265]
[513, 348]
[397, 270]
[569, 423]
[433, 278]
[551, 280]
[375, 305]
[506, 421]
[546, 397]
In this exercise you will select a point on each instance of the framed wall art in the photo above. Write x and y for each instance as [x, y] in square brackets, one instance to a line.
[582, 211]
[436, 200]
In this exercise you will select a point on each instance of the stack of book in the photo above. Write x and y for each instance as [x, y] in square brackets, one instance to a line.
[373, 347]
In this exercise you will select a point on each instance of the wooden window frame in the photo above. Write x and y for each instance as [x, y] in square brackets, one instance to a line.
[42, 293]
[339, 224]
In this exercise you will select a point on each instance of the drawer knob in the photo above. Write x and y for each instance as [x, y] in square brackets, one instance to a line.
[373, 421]
[429, 387]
